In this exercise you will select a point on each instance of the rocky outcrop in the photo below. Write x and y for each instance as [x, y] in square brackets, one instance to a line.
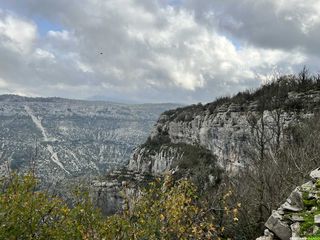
[111, 193]
[227, 130]
[299, 216]
[154, 161]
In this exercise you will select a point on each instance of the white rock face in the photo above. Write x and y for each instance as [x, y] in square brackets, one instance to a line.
[227, 131]
[155, 163]
[267, 235]
[226, 134]
[315, 174]
[317, 219]
[111, 194]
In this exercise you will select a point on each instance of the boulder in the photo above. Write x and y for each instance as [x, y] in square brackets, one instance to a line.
[317, 219]
[315, 174]
[301, 206]
[297, 218]
[294, 202]
[295, 228]
[287, 206]
[267, 235]
[281, 229]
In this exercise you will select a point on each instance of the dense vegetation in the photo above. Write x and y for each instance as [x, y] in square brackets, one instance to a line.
[193, 161]
[30, 214]
[166, 209]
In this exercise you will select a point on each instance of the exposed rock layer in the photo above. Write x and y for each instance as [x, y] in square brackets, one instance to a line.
[111, 194]
[227, 130]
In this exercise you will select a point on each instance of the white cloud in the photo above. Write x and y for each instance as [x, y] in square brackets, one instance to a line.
[43, 54]
[84, 67]
[60, 35]
[3, 83]
[17, 34]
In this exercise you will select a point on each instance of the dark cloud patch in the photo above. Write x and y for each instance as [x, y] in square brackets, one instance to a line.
[287, 25]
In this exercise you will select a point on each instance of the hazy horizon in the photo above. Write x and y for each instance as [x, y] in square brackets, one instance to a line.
[98, 99]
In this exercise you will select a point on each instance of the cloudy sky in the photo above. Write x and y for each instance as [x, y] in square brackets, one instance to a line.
[153, 50]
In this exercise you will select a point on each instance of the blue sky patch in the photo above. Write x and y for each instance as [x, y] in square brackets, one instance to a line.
[45, 25]
[234, 41]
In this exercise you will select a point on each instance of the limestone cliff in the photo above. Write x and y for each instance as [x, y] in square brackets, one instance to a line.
[206, 141]
[226, 129]
[111, 194]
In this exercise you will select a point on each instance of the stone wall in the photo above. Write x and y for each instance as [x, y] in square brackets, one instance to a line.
[299, 216]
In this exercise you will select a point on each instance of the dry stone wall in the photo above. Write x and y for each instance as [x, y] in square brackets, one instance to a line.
[299, 216]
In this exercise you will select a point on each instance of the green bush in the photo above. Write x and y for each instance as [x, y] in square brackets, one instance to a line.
[165, 210]
[30, 214]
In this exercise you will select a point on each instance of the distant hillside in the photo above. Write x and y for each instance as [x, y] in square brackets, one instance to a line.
[64, 138]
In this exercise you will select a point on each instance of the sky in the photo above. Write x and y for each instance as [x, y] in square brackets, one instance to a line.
[184, 51]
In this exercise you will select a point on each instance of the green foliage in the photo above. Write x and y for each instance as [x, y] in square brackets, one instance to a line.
[194, 161]
[185, 113]
[311, 209]
[166, 210]
[155, 144]
[199, 164]
[30, 214]
[307, 226]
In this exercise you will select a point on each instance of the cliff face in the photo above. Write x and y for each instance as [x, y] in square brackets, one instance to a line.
[113, 193]
[205, 141]
[227, 130]
[158, 161]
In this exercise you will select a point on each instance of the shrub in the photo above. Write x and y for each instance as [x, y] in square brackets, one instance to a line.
[165, 210]
[30, 214]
